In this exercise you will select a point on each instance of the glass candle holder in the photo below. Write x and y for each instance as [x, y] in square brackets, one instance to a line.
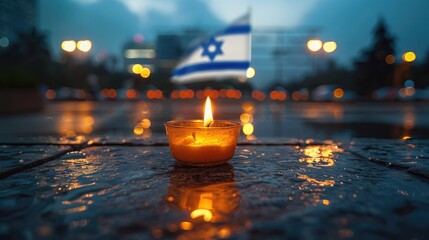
[193, 144]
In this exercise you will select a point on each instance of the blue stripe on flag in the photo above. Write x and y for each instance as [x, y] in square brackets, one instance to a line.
[210, 67]
[237, 29]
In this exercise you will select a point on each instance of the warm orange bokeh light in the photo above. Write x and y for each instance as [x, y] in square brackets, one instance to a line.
[258, 95]
[248, 128]
[186, 226]
[407, 92]
[205, 213]
[50, 94]
[208, 113]
[246, 117]
[131, 94]
[296, 96]
[314, 45]
[409, 57]
[146, 123]
[200, 94]
[390, 59]
[154, 94]
[211, 93]
[145, 72]
[109, 93]
[137, 68]
[138, 129]
[185, 94]
[338, 93]
[278, 95]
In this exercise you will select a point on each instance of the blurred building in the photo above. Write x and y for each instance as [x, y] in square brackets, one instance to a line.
[16, 16]
[140, 52]
[165, 53]
[168, 51]
[171, 47]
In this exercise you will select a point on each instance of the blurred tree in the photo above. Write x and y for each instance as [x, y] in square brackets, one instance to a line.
[332, 74]
[27, 62]
[421, 73]
[374, 70]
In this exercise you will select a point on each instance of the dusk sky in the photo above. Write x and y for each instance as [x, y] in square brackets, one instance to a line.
[110, 23]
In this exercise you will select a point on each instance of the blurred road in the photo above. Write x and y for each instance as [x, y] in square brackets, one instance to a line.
[266, 119]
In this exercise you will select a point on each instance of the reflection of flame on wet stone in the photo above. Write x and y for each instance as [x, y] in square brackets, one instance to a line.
[322, 156]
[206, 193]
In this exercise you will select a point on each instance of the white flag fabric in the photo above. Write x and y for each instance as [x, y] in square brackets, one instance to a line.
[225, 54]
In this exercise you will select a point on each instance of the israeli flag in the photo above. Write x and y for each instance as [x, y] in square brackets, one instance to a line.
[225, 54]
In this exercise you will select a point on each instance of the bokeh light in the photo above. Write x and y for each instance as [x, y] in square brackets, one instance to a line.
[138, 38]
[145, 122]
[68, 45]
[138, 129]
[278, 95]
[131, 94]
[409, 57]
[248, 128]
[314, 45]
[50, 94]
[154, 94]
[137, 68]
[258, 95]
[296, 96]
[145, 72]
[205, 213]
[250, 73]
[330, 46]
[338, 93]
[84, 45]
[246, 117]
[4, 42]
[390, 59]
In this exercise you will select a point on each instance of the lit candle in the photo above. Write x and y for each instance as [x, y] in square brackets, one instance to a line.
[203, 143]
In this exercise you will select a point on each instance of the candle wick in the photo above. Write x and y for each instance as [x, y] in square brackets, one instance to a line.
[209, 124]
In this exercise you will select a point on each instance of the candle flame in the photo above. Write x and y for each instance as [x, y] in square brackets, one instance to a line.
[208, 115]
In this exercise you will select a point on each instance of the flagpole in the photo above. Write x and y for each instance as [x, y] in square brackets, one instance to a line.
[249, 11]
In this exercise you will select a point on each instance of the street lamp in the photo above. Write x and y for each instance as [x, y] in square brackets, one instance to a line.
[84, 45]
[329, 46]
[68, 45]
[81, 45]
[314, 45]
[409, 57]
[250, 73]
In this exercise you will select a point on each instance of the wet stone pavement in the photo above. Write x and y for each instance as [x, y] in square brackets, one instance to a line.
[107, 188]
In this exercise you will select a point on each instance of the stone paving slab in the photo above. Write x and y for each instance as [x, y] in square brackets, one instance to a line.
[15, 156]
[302, 191]
[409, 154]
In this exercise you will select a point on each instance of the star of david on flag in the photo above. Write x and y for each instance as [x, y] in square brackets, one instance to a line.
[225, 54]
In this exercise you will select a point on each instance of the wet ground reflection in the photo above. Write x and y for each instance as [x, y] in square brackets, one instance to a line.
[208, 196]
[145, 119]
[316, 182]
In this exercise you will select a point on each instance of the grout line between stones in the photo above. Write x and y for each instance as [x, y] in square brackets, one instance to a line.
[12, 171]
